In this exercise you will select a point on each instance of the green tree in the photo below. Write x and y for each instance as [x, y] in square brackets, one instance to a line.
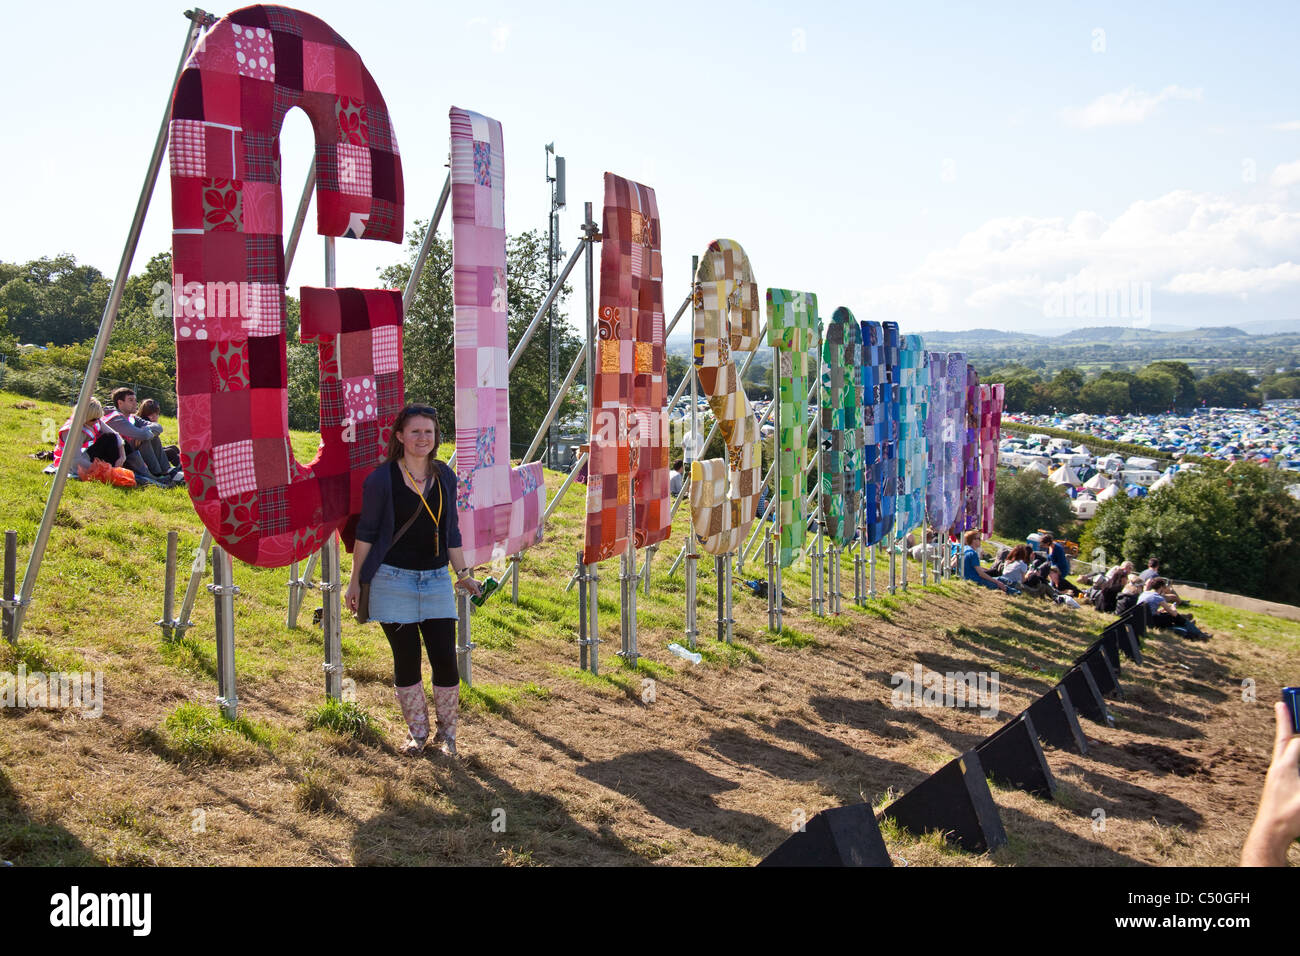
[1185, 394]
[1026, 501]
[1103, 537]
[1153, 390]
[1106, 396]
[1231, 389]
[1234, 527]
[52, 300]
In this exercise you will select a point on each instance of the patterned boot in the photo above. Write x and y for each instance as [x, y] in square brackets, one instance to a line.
[446, 701]
[415, 708]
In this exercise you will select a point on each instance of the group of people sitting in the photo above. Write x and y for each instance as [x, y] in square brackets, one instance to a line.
[1040, 571]
[125, 436]
[1120, 589]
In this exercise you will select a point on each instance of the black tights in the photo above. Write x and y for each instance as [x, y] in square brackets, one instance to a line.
[439, 640]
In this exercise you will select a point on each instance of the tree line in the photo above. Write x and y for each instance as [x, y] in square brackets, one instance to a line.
[50, 310]
[1159, 387]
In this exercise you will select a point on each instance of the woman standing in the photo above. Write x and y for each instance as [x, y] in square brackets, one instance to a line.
[407, 538]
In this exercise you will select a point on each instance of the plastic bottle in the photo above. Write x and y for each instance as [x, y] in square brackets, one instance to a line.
[684, 653]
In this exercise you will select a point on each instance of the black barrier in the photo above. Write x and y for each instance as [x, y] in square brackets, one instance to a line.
[1129, 642]
[956, 800]
[1085, 696]
[841, 836]
[1137, 616]
[1109, 642]
[1055, 721]
[1103, 675]
[1013, 756]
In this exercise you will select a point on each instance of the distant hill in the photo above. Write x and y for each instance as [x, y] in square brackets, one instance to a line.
[982, 337]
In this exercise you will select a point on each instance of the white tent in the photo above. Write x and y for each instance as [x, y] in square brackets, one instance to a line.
[1037, 465]
[1097, 482]
[1108, 493]
[1065, 475]
[1163, 481]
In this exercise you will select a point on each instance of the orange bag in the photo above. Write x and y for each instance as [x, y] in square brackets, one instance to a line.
[98, 471]
[123, 477]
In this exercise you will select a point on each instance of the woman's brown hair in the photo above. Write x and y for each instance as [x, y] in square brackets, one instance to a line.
[399, 423]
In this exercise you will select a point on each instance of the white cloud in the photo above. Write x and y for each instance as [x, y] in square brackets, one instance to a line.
[1236, 281]
[1125, 108]
[1287, 174]
[1183, 243]
[1290, 126]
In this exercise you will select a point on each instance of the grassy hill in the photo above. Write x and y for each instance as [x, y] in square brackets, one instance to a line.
[711, 768]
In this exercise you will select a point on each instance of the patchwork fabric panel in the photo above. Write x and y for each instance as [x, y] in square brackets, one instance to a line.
[954, 442]
[791, 321]
[880, 427]
[228, 107]
[936, 434]
[498, 517]
[972, 491]
[627, 473]
[841, 426]
[726, 321]
[913, 391]
[991, 401]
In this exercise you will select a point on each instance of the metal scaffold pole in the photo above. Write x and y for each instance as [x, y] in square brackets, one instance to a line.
[198, 20]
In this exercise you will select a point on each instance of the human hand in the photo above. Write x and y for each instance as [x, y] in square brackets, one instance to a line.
[352, 597]
[469, 584]
[1278, 821]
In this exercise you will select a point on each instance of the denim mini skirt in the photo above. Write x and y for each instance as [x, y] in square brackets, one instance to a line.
[399, 596]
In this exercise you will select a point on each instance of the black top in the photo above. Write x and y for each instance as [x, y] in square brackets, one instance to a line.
[424, 546]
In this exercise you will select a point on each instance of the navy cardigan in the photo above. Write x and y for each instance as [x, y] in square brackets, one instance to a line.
[377, 525]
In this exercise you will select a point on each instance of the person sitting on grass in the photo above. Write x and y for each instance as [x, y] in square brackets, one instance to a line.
[970, 565]
[148, 415]
[1162, 614]
[97, 442]
[1056, 554]
[145, 455]
[1278, 821]
[1016, 566]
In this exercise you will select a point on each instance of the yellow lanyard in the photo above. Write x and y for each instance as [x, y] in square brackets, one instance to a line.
[437, 518]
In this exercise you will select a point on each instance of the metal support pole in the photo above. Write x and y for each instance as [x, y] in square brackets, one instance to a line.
[579, 360]
[722, 565]
[872, 591]
[299, 218]
[692, 599]
[223, 594]
[835, 594]
[169, 588]
[198, 20]
[773, 602]
[645, 568]
[464, 646]
[859, 567]
[197, 569]
[10, 581]
[332, 592]
[630, 653]
[892, 566]
[568, 480]
[412, 283]
[904, 562]
[295, 596]
[514, 580]
[580, 575]
[593, 615]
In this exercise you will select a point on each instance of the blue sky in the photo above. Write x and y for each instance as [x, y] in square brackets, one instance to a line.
[944, 167]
